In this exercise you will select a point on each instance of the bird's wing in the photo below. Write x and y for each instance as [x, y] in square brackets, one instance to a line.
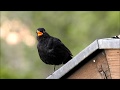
[60, 46]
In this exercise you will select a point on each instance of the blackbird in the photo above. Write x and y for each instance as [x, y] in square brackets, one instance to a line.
[51, 50]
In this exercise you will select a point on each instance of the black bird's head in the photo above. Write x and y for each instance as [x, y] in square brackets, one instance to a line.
[41, 33]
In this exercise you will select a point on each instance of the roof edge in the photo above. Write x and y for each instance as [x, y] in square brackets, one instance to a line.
[106, 43]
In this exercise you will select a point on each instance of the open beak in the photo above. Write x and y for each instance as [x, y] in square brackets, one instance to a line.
[39, 33]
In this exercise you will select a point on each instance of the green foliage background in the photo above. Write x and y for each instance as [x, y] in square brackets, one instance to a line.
[76, 29]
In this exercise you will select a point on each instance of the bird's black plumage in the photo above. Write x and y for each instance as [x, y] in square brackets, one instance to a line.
[51, 50]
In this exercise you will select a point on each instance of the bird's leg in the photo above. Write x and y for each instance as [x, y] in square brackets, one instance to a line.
[54, 67]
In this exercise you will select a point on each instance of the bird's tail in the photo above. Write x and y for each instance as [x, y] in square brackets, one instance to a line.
[69, 58]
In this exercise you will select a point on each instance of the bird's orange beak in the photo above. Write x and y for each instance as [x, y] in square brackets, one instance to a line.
[39, 33]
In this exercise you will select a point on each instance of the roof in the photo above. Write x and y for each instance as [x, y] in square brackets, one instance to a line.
[106, 43]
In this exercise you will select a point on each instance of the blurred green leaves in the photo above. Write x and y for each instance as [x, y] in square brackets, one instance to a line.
[76, 29]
